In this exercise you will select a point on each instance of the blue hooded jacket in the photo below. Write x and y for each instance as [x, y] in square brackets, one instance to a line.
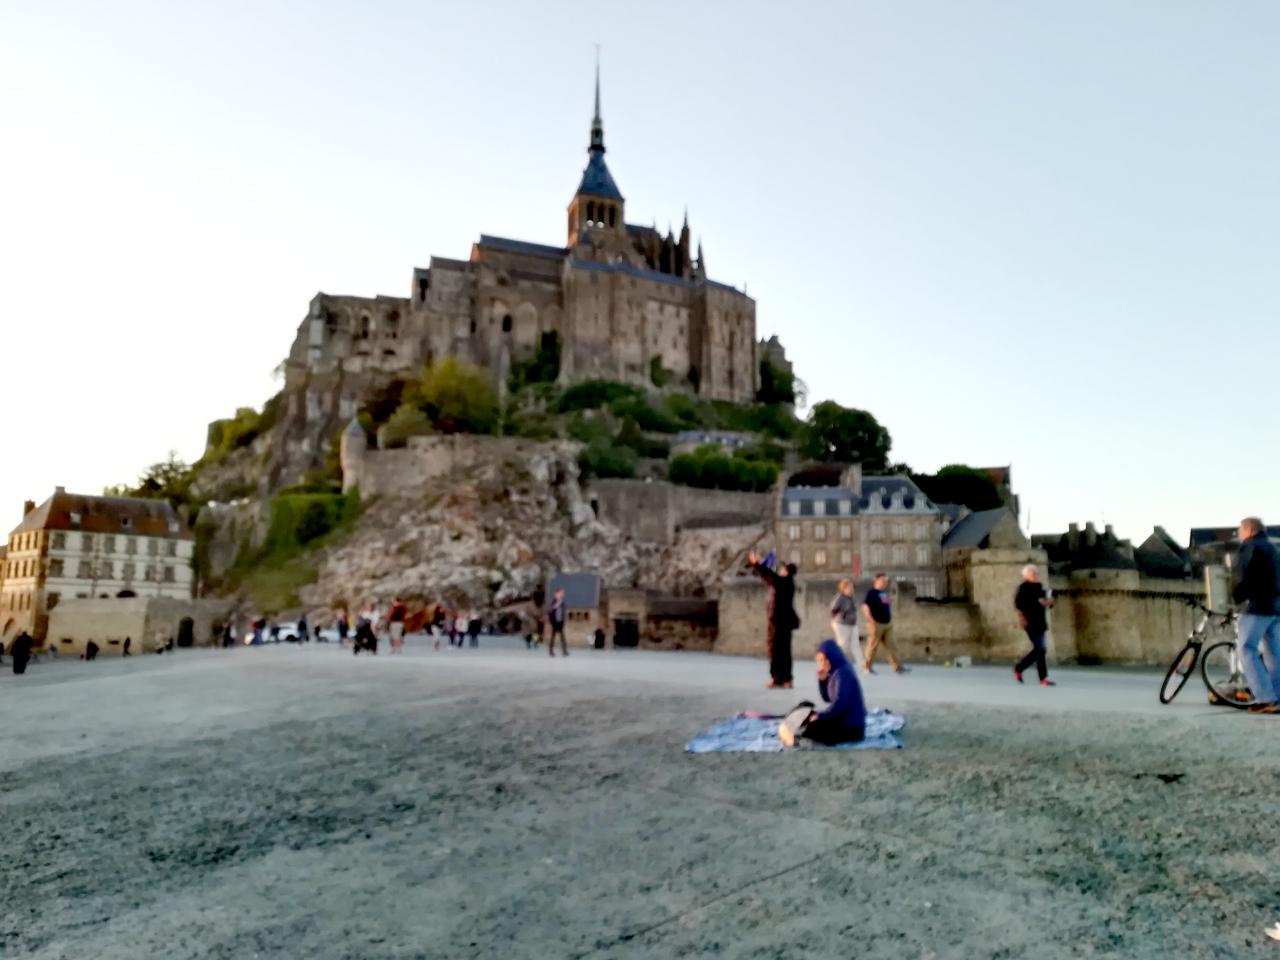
[841, 689]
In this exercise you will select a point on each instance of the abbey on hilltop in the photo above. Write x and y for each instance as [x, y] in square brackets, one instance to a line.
[624, 300]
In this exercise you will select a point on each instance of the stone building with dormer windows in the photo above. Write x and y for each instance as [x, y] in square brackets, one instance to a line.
[81, 547]
[834, 522]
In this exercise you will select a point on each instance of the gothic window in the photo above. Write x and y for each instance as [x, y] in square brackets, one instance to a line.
[506, 323]
[591, 213]
[613, 214]
[393, 324]
[473, 326]
[365, 327]
[424, 284]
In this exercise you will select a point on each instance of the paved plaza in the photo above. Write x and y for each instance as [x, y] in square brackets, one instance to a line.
[288, 802]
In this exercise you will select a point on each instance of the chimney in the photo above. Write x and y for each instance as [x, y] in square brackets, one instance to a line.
[1090, 534]
[1073, 537]
[1111, 532]
[28, 506]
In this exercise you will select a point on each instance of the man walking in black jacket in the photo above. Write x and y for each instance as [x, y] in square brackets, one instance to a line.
[782, 618]
[1256, 583]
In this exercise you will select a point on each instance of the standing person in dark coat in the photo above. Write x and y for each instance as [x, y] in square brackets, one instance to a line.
[20, 651]
[782, 618]
[1256, 583]
[556, 612]
[1033, 603]
[473, 628]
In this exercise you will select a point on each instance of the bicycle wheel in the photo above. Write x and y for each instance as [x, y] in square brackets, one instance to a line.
[1220, 668]
[1184, 664]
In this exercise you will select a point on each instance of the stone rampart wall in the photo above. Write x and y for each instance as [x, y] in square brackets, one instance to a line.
[388, 472]
[1099, 616]
[654, 510]
[148, 621]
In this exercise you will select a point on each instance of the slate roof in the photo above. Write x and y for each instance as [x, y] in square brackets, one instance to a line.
[874, 489]
[522, 246]
[597, 180]
[581, 590]
[975, 529]
[131, 515]
[646, 274]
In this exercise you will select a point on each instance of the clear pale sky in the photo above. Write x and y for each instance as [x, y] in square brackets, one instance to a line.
[1042, 234]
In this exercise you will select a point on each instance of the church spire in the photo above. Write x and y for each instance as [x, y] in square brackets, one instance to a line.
[597, 124]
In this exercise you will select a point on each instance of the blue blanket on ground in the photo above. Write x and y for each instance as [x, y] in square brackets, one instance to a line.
[753, 734]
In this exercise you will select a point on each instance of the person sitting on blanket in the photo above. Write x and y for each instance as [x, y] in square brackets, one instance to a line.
[845, 720]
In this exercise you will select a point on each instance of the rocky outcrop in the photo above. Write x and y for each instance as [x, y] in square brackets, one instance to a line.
[485, 536]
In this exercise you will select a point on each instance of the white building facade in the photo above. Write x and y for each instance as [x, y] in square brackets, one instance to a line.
[75, 546]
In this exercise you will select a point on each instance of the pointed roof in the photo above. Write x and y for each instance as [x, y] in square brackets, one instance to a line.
[596, 179]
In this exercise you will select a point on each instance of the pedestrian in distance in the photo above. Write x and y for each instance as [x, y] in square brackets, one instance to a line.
[20, 651]
[1033, 604]
[556, 614]
[127, 649]
[783, 620]
[1255, 582]
[396, 620]
[344, 627]
[304, 631]
[844, 621]
[877, 611]
[473, 628]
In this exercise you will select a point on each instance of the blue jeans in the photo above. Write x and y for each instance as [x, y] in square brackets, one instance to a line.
[1260, 654]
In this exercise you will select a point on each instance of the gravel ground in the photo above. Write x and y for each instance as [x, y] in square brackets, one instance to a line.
[302, 803]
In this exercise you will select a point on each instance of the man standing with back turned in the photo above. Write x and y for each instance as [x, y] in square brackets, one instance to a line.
[1256, 583]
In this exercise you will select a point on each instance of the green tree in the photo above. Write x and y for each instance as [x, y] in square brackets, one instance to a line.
[168, 480]
[543, 367]
[776, 384]
[844, 435]
[408, 421]
[457, 397]
[957, 483]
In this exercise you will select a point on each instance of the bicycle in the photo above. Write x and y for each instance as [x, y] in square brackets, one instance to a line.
[1219, 664]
